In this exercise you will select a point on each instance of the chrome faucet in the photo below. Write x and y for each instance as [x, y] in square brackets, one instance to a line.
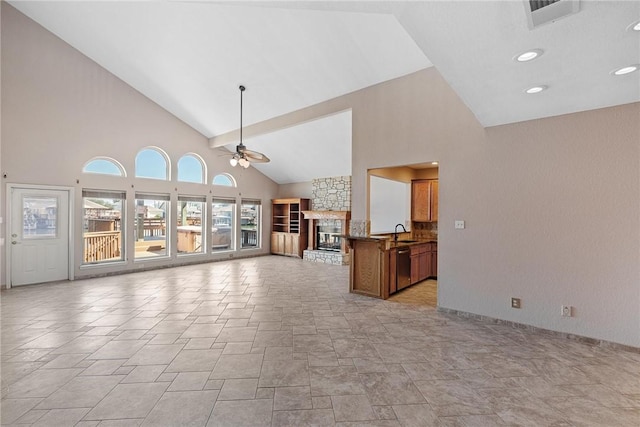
[395, 232]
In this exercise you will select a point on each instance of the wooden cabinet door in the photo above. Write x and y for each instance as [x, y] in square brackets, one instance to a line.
[420, 203]
[292, 245]
[434, 261]
[425, 264]
[434, 201]
[393, 283]
[415, 265]
[278, 243]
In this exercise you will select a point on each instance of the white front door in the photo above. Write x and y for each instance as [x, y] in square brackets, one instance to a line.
[39, 240]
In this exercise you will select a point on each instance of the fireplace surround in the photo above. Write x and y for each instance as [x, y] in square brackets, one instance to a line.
[327, 244]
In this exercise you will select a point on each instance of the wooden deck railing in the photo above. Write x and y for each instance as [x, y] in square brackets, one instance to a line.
[101, 246]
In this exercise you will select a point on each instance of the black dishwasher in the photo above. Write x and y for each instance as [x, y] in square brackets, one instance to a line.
[403, 268]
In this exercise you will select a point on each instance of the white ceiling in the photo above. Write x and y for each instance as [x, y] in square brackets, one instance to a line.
[190, 56]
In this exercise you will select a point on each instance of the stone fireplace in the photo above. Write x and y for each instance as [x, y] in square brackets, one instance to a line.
[329, 221]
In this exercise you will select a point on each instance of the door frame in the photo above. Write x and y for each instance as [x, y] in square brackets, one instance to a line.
[9, 208]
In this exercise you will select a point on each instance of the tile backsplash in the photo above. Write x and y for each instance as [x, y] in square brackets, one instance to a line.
[425, 230]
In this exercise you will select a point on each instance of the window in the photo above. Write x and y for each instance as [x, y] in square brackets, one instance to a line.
[224, 179]
[191, 169]
[223, 224]
[152, 163]
[40, 217]
[104, 166]
[250, 224]
[190, 216]
[102, 226]
[151, 225]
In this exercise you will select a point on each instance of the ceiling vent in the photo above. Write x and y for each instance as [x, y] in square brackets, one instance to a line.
[540, 12]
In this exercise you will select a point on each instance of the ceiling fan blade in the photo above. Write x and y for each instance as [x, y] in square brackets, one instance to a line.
[255, 157]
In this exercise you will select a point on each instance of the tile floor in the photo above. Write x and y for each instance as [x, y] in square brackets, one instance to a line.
[274, 341]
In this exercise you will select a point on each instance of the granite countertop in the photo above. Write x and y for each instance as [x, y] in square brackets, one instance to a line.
[390, 244]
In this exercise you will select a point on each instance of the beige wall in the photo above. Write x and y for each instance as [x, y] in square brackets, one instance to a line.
[301, 190]
[60, 109]
[551, 206]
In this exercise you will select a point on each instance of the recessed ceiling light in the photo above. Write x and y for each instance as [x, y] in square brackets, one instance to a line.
[625, 70]
[535, 89]
[634, 27]
[528, 55]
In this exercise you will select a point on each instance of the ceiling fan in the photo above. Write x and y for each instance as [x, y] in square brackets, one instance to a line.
[243, 156]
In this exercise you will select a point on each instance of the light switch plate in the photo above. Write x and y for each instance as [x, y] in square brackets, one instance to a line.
[459, 225]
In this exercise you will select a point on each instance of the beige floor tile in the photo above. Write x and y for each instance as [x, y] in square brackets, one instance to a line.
[390, 388]
[301, 418]
[61, 417]
[81, 392]
[238, 334]
[332, 381]
[128, 401]
[352, 408]
[41, 383]
[194, 360]
[12, 409]
[284, 373]
[189, 381]
[144, 374]
[185, 408]
[241, 413]
[237, 366]
[290, 398]
[118, 349]
[286, 343]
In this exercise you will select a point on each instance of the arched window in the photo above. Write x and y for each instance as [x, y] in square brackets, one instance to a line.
[191, 168]
[224, 179]
[104, 166]
[153, 163]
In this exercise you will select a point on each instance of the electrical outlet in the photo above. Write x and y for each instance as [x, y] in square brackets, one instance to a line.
[566, 311]
[515, 303]
[459, 225]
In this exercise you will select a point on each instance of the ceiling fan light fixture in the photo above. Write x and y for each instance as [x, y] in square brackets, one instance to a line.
[242, 155]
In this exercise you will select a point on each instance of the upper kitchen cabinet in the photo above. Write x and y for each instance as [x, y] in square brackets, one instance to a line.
[424, 200]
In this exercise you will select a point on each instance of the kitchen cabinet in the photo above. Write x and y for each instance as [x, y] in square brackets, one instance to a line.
[424, 261]
[421, 262]
[289, 231]
[380, 268]
[369, 269]
[393, 278]
[434, 260]
[424, 200]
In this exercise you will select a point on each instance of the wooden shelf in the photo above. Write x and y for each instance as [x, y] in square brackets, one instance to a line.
[289, 230]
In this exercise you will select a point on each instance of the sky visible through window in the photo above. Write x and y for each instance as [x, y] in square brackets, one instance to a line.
[190, 169]
[222, 180]
[102, 166]
[151, 164]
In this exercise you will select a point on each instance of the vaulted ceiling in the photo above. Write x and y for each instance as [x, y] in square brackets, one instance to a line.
[190, 57]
